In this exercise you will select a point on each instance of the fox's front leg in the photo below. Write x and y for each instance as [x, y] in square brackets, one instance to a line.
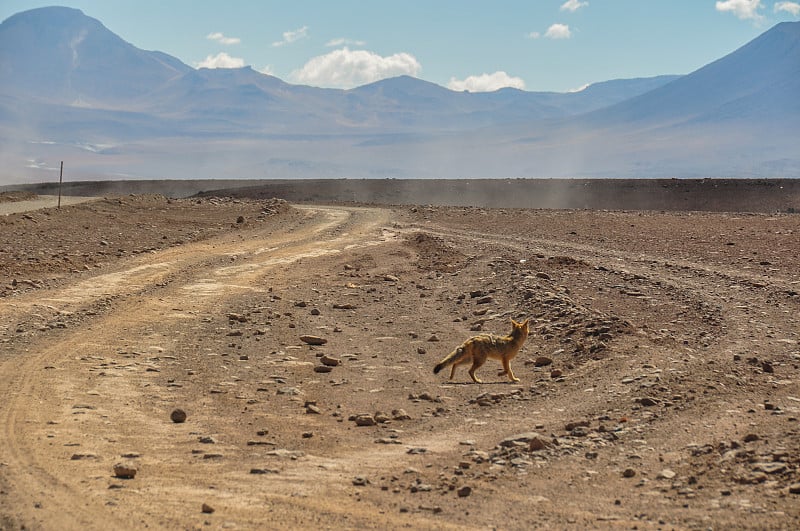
[507, 370]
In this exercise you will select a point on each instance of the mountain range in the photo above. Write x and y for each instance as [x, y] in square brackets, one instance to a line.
[72, 90]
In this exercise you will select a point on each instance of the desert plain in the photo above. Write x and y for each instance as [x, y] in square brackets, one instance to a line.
[659, 387]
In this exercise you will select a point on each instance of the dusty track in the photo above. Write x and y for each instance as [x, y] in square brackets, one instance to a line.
[157, 290]
[213, 327]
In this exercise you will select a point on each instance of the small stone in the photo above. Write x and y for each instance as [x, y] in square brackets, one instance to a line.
[485, 300]
[390, 278]
[307, 434]
[556, 373]
[648, 401]
[330, 361]
[312, 409]
[572, 425]
[536, 444]
[542, 361]
[207, 509]
[207, 440]
[628, 473]
[381, 418]
[125, 470]
[542, 275]
[750, 437]
[464, 491]
[666, 474]
[794, 488]
[579, 431]
[767, 367]
[315, 311]
[313, 340]
[360, 481]
[400, 414]
[421, 350]
[434, 338]
[323, 368]
[364, 419]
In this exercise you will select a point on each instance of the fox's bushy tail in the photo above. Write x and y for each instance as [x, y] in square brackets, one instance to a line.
[449, 360]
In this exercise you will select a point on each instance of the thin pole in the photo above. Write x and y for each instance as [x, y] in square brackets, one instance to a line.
[60, 180]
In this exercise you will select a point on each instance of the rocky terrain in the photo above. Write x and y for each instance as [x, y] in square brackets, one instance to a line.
[246, 364]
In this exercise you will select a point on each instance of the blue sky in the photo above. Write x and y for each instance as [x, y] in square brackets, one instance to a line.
[537, 45]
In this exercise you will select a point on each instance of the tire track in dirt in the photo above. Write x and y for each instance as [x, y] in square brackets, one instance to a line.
[43, 491]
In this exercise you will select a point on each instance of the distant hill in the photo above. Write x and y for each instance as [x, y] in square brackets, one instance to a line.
[71, 89]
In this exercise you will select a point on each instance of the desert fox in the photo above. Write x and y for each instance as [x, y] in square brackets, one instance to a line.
[478, 349]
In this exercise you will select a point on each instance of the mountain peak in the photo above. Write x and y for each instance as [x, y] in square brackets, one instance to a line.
[57, 54]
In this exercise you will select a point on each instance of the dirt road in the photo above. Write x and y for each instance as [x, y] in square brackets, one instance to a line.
[659, 385]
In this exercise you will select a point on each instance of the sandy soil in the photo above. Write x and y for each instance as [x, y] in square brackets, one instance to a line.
[659, 385]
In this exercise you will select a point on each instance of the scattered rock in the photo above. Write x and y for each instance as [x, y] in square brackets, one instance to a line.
[261, 471]
[381, 418]
[542, 361]
[666, 474]
[207, 509]
[178, 416]
[323, 368]
[390, 278]
[519, 438]
[313, 340]
[125, 470]
[628, 473]
[400, 414]
[81, 457]
[464, 491]
[537, 443]
[330, 361]
[360, 481]
[556, 373]
[364, 419]
[647, 401]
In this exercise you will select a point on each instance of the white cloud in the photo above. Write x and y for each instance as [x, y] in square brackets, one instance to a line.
[222, 39]
[790, 7]
[221, 60]
[486, 82]
[558, 31]
[534, 35]
[333, 43]
[573, 5]
[347, 68]
[743, 9]
[292, 36]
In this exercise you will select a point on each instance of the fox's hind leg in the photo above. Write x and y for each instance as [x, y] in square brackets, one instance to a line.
[456, 364]
[476, 364]
[453, 370]
[507, 370]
